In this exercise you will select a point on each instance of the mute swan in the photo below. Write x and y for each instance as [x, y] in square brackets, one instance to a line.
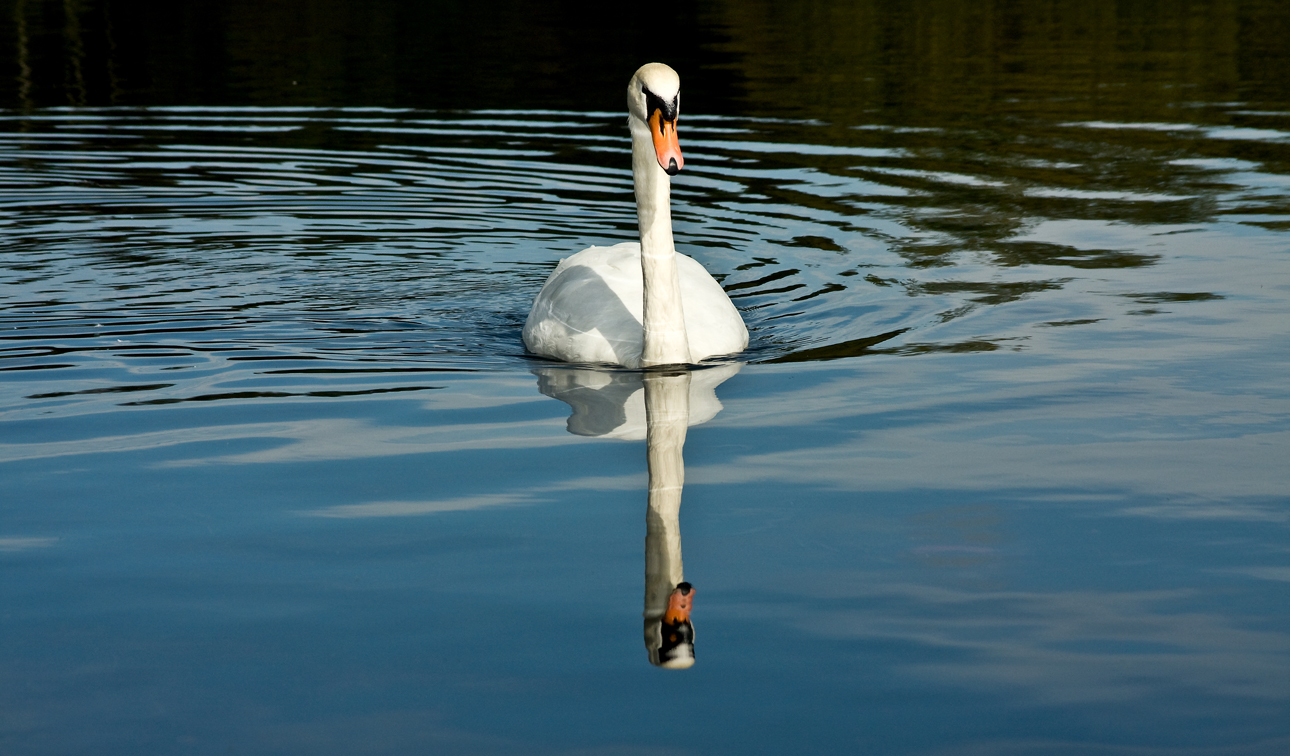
[638, 305]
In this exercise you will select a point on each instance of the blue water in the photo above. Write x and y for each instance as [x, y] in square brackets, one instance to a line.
[1003, 470]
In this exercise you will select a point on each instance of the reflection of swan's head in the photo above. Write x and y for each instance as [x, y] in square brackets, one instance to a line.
[654, 101]
[671, 637]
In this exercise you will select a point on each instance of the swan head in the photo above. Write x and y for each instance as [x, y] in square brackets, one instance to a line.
[654, 102]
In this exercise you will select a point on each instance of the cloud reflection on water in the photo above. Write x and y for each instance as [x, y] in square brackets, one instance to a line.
[14, 543]
[1053, 648]
[1017, 423]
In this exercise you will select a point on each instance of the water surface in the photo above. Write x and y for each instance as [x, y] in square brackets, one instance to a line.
[1002, 471]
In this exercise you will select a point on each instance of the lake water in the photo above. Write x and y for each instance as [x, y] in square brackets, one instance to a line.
[1003, 470]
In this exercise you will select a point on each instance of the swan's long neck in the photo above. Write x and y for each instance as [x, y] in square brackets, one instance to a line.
[664, 319]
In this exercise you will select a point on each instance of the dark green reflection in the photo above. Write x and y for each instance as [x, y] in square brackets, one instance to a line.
[840, 60]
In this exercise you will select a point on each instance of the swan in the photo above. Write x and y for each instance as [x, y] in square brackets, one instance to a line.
[642, 304]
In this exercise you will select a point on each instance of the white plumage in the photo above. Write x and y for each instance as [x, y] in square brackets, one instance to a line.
[616, 305]
[590, 310]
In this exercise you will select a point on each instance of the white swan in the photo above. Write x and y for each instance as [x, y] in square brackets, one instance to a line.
[638, 305]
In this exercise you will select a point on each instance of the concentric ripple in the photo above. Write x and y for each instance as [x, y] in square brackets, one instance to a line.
[188, 254]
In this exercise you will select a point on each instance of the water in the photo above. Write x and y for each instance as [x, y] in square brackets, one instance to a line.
[1002, 471]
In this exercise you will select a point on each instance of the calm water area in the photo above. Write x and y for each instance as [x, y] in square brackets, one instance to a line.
[1004, 470]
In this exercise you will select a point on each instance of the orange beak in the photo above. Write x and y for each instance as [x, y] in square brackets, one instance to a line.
[680, 602]
[666, 147]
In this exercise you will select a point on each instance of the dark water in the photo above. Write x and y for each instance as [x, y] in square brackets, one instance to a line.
[1002, 471]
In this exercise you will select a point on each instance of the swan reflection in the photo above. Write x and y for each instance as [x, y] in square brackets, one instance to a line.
[658, 406]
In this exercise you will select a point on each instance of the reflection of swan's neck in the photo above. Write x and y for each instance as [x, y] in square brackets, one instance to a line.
[667, 410]
[663, 319]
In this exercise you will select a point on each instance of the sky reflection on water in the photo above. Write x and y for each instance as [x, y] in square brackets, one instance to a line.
[1003, 470]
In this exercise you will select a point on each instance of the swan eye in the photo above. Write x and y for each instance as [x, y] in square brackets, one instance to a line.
[653, 102]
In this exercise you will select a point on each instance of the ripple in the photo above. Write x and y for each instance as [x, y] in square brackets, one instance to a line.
[212, 242]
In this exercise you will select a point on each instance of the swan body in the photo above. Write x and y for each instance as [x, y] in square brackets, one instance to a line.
[638, 304]
[592, 307]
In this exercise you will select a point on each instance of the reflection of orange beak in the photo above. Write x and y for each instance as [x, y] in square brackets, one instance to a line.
[679, 604]
[666, 146]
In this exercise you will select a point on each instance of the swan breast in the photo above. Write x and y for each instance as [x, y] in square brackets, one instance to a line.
[590, 310]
